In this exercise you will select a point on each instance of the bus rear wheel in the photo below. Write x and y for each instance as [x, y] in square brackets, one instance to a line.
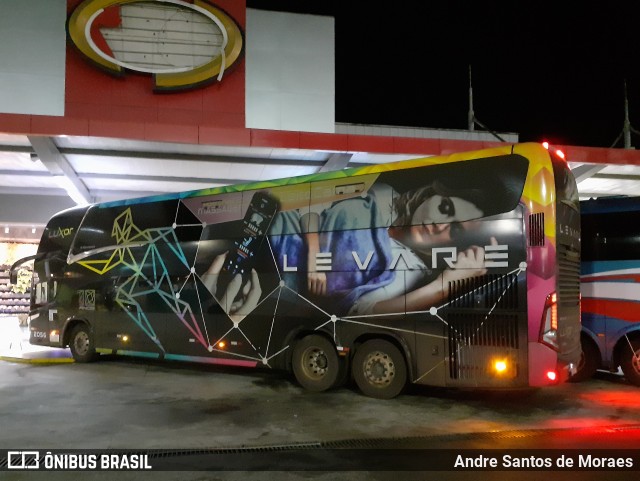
[379, 369]
[315, 363]
[630, 361]
[81, 344]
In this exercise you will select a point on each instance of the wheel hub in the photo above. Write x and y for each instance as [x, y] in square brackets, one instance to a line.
[635, 362]
[379, 368]
[81, 343]
[316, 363]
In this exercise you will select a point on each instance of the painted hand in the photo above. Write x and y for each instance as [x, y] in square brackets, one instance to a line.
[470, 263]
[237, 300]
[317, 283]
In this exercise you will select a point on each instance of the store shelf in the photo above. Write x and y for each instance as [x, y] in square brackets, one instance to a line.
[13, 303]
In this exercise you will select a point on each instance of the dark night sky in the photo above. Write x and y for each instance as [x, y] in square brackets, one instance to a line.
[544, 70]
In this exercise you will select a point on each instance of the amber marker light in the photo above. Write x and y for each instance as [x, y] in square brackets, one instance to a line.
[125, 338]
[222, 344]
[500, 366]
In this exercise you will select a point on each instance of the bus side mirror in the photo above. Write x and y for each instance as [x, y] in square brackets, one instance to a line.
[13, 272]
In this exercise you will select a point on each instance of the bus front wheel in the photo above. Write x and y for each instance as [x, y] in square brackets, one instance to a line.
[379, 369]
[315, 363]
[81, 344]
[630, 361]
[589, 361]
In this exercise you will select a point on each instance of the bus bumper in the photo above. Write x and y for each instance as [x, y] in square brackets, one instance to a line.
[43, 333]
[544, 367]
[39, 337]
[571, 369]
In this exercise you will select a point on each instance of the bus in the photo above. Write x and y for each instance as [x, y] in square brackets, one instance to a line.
[610, 287]
[459, 270]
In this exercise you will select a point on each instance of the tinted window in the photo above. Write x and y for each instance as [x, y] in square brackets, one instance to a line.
[566, 187]
[611, 236]
[61, 231]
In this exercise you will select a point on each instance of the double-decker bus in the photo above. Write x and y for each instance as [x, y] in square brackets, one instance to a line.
[460, 270]
[610, 285]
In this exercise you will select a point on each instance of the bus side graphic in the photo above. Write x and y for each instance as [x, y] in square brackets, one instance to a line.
[452, 271]
[613, 293]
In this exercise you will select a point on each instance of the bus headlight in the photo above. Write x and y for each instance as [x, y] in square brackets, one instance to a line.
[54, 335]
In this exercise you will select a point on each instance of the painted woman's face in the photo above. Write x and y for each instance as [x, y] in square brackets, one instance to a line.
[432, 219]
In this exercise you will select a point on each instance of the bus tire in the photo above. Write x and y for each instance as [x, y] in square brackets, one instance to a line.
[379, 369]
[315, 363]
[82, 344]
[630, 361]
[589, 361]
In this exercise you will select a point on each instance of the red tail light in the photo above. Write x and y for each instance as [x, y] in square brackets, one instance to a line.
[549, 330]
